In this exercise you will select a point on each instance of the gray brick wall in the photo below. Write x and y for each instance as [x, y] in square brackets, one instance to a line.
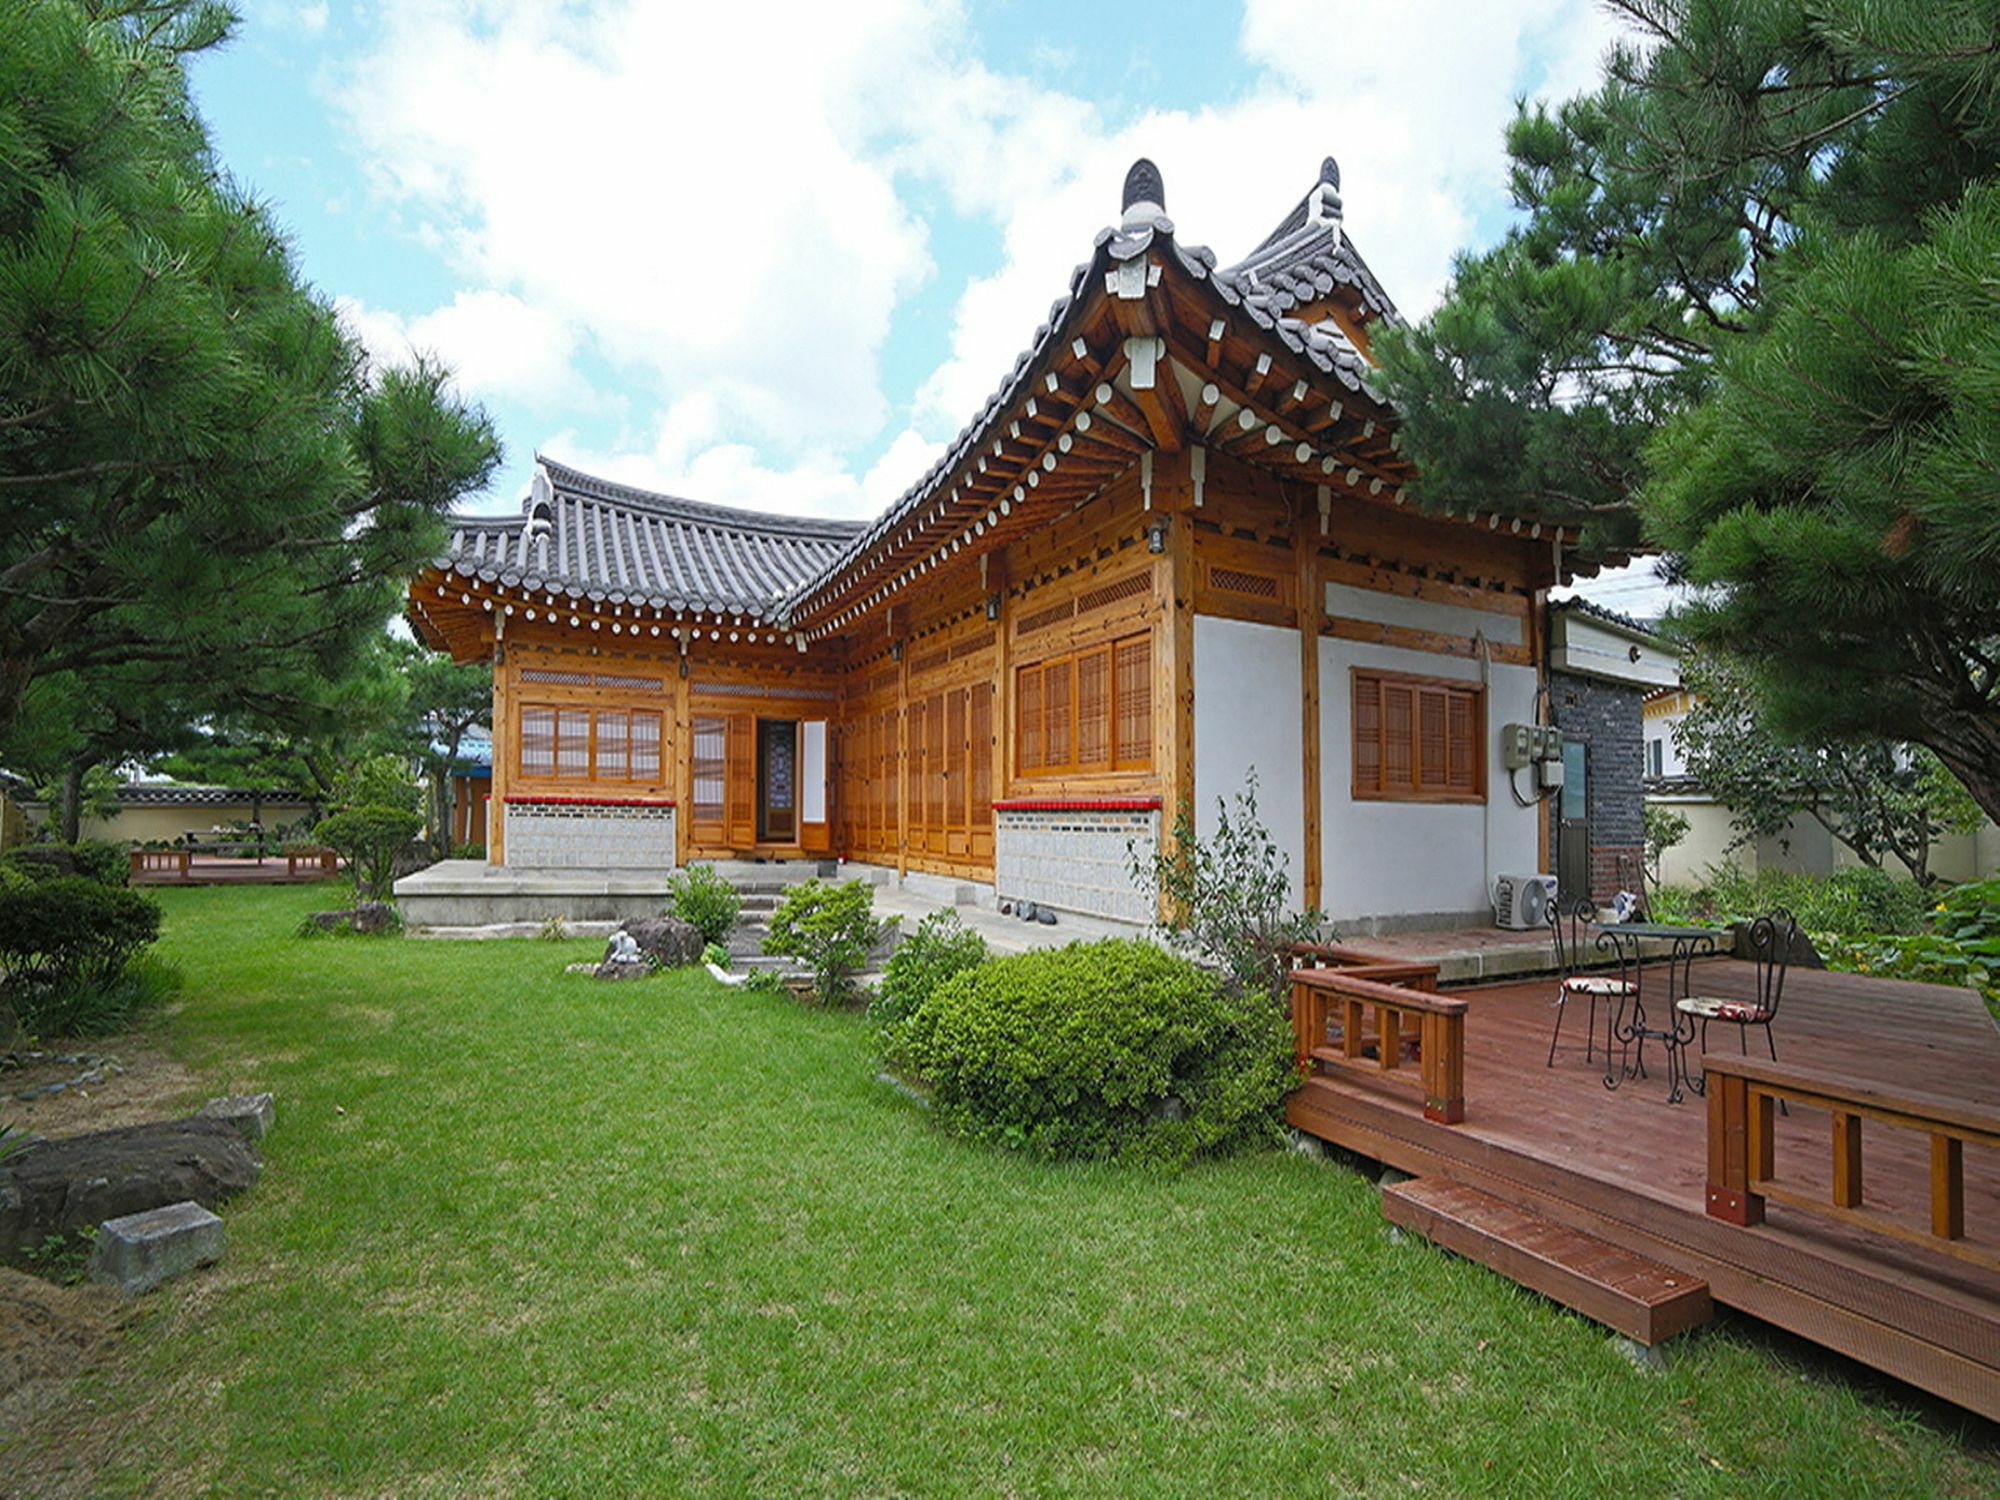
[1608, 718]
[578, 836]
[1075, 860]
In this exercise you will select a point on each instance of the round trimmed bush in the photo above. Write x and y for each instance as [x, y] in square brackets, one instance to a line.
[1109, 1050]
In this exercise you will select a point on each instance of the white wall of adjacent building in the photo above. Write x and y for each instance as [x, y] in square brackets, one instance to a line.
[1383, 863]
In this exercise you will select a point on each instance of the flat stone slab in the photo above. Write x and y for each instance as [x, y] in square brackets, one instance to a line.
[139, 1251]
[252, 1114]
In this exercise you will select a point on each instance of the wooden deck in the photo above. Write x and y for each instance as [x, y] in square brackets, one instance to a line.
[1634, 1170]
[212, 869]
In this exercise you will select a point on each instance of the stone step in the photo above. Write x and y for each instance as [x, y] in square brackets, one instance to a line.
[139, 1251]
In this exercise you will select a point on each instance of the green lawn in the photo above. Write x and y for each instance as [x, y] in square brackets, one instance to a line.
[523, 1232]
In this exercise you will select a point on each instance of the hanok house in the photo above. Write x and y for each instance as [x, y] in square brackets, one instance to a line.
[1173, 549]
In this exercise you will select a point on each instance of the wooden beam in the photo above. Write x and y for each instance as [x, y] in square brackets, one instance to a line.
[1311, 606]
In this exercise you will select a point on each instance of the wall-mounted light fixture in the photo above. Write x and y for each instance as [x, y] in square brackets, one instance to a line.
[896, 651]
[1156, 535]
[684, 667]
[992, 606]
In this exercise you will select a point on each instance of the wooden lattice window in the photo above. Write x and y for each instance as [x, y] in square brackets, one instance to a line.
[710, 763]
[581, 744]
[1418, 738]
[1090, 710]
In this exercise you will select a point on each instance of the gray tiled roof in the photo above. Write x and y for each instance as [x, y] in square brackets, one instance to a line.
[586, 538]
[1584, 606]
[161, 794]
[592, 539]
[1323, 343]
[1308, 255]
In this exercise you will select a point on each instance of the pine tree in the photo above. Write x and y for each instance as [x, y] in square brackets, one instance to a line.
[200, 476]
[1749, 319]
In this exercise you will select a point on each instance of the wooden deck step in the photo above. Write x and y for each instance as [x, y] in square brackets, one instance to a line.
[1641, 1298]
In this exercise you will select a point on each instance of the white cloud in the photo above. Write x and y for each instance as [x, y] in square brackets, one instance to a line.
[713, 202]
[497, 345]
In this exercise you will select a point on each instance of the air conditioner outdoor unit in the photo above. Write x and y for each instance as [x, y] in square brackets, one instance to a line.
[1522, 902]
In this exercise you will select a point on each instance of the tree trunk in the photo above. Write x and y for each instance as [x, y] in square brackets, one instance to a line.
[71, 813]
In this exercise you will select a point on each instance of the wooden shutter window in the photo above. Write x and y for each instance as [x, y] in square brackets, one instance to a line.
[1417, 739]
[1089, 711]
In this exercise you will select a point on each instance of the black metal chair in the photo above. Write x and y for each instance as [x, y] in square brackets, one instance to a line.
[1771, 940]
[1571, 937]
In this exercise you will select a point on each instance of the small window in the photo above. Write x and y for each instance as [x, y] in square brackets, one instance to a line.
[1656, 754]
[1418, 739]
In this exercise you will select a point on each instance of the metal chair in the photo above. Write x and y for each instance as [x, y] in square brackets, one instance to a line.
[1771, 939]
[1571, 935]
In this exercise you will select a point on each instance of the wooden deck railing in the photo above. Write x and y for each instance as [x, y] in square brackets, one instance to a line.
[1743, 1094]
[323, 860]
[155, 861]
[1380, 1004]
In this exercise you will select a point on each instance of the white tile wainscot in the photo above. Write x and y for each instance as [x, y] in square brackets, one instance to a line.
[1076, 856]
[560, 834]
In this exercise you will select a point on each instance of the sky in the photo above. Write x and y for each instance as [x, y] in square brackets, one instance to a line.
[776, 255]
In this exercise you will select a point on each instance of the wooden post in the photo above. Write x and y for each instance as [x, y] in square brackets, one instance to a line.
[1947, 1187]
[1311, 606]
[1388, 1037]
[1846, 1159]
[1442, 1041]
[504, 755]
[1173, 648]
[1729, 1132]
[904, 751]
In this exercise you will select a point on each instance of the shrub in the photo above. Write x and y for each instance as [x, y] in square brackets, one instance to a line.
[1225, 896]
[90, 859]
[941, 948]
[830, 929]
[699, 895]
[370, 839]
[715, 954]
[1850, 902]
[377, 781]
[1109, 1050]
[469, 851]
[68, 928]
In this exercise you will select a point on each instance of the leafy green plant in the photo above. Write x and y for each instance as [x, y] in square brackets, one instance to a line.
[377, 781]
[715, 954]
[371, 839]
[555, 929]
[1109, 1050]
[1224, 897]
[830, 929]
[469, 851]
[63, 1258]
[1665, 829]
[1850, 902]
[941, 948]
[699, 895]
[69, 930]
[93, 1006]
[12, 1142]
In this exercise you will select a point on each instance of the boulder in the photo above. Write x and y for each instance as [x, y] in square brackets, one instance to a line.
[612, 968]
[1803, 955]
[252, 1114]
[59, 1187]
[370, 917]
[667, 941]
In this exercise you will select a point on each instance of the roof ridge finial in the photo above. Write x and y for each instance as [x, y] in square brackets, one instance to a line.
[1145, 193]
[1323, 202]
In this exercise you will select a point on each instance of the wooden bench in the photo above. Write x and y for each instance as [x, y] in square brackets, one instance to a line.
[1640, 1298]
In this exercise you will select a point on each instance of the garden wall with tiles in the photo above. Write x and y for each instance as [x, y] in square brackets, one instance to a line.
[590, 836]
[1076, 859]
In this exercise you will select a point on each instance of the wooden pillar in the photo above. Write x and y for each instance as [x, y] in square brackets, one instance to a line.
[997, 577]
[1173, 658]
[681, 776]
[504, 750]
[904, 750]
[1739, 1142]
[1311, 607]
[1537, 639]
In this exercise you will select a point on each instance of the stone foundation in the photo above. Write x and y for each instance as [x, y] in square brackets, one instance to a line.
[560, 835]
[1075, 858]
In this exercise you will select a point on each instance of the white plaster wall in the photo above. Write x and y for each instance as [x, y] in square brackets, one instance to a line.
[1710, 829]
[1808, 848]
[1661, 728]
[1247, 713]
[1401, 860]
[1421, 614]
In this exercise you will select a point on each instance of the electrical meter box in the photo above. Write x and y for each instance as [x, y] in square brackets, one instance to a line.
[1551, 747]
[1550, 773]
[1518, 745]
